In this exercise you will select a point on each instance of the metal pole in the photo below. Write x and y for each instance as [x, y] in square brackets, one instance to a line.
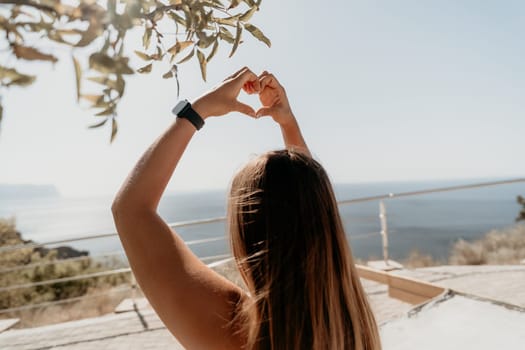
[384, 230]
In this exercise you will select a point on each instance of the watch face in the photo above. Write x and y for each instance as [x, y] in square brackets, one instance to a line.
[179, 107]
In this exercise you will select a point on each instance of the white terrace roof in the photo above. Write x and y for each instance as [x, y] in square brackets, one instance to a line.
[457, 321]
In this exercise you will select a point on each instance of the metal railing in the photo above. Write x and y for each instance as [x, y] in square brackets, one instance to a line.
[133, 286]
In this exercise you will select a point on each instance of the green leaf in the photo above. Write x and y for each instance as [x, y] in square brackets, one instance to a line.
[205, 41]
[213, 50]
[78, 75]
[57, 37]
[114, 128]
[177, 18]
[157, 56]
[189, 56]
[22, 80]
[202, 63]
[143, 55]
[146, 69]
[32, 54]
[110, 83]
[256, 32]
[245, 17]
[168, 74]
[10, 76]
[228, 21]
[158, 16]
[122, 66]
[121, 84]
[94, 99]
[226, 35]
[102, 63]
[91, 33]
[214, 3]
[179, 46]
[234, 3]
[98, 125]
[237, 39]
[146, 38]
[108, 111]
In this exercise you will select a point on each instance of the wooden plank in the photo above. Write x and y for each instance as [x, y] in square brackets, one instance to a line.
[403, 288]
[407, 297]
[414, 286]
[372, 274]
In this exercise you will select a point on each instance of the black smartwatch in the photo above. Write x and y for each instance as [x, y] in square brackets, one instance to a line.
[184, 110]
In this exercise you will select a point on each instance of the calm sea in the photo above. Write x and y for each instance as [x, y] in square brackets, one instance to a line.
[430, 223]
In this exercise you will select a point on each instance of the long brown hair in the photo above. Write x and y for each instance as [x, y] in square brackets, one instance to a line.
[290, 246]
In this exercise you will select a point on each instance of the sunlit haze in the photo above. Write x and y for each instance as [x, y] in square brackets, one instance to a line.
[383, 91]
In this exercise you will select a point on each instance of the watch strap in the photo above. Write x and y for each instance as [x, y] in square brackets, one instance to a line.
[191, 115]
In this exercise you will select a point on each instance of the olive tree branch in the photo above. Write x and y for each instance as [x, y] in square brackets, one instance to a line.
[30, 4]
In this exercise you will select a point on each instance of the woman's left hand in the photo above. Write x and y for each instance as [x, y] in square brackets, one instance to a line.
[223, 98]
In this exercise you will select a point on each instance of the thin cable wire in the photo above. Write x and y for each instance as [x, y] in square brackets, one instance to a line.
[60, 261]
[67, 279]
[64, 301]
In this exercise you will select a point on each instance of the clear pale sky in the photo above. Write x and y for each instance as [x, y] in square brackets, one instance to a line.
[383, 90]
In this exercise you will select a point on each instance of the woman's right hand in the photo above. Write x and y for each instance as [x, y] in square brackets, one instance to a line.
[222, 99]
[274, 100]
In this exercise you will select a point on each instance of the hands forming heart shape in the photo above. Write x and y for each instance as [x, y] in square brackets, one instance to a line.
[223, 98]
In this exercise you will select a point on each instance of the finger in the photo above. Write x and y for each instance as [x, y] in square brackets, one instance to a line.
[248, 88]
[263, 74]
[243, 108]
[234, 75]
[244, 77]
[265, 111]
[252, 87]
[268, 80]
[256, 86]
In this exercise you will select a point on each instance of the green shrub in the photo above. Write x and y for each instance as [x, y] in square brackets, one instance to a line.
[51, 267]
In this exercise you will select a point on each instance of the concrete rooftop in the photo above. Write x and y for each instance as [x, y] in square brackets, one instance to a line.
[453, 321]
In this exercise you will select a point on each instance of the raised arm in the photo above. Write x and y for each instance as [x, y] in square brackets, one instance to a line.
[195, 303]
[275, 104]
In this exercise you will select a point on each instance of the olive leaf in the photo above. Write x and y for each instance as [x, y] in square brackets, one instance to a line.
[143, 55]
[32, 54]
[190, 55]
[78, 75]
[213, 50]
[168, 74]
[226, 35]
[173, 15]
[96, 100]
[228, 21]
[114, 129]
[98, 32]
[98, 125]
[205, 41]
[256, 32]
[89, 35]
[202, 63]
[248, 14]
[179, 46]
[146, 38]
[146, 69]
[234, 3]
[108, 111]
[110, 83]
[102, 63]
[238, 36]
